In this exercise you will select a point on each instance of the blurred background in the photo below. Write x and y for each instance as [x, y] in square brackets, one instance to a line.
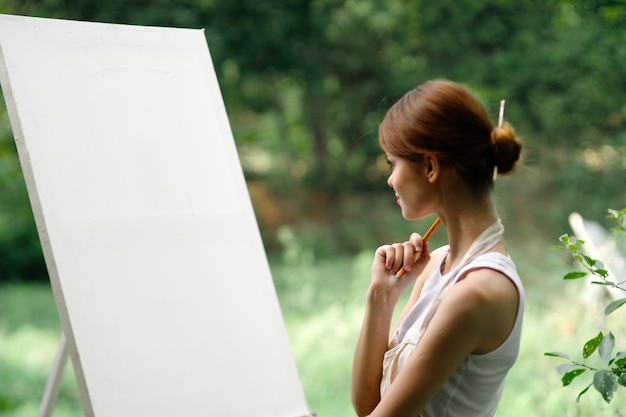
[305, 84]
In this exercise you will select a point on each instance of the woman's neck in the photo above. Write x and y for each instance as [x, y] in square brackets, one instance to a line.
[464, 225]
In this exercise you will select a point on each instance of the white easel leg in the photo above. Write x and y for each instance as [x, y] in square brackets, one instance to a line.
[54, 380]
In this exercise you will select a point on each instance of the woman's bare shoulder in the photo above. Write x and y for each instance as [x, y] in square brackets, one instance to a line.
[488, 300]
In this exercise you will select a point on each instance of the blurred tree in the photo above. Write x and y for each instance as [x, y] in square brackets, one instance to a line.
[321, 69]
[21, 257]
[306, 82]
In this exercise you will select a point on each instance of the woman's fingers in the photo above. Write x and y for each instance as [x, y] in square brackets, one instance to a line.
[404, 255]
[417, 242]
[399, 255]
[389, 255]
[410, 254]
[421, 247]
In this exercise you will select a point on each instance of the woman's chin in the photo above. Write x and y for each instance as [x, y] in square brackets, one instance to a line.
[408, 216]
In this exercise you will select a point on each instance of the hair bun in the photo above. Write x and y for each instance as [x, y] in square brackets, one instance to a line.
[506, 148]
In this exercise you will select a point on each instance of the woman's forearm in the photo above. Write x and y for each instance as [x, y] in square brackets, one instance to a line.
[370, 350]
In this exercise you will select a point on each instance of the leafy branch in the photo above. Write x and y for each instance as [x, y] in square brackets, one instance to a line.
[606, 379]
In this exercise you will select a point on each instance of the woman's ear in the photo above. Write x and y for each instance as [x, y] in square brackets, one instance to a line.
[433, 167]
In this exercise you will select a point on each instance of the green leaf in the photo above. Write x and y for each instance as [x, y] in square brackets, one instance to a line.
[572, 243]
[583, 391]
[592, 345]
[575, 275]
[602, 272]
[622, 380]
[590, 261]
[557, 354]
[557, 247]
[614, 214]
[606, 347]
[569, 376]
[605, 382]
[564, 368]
[614, 306]
[575, 247]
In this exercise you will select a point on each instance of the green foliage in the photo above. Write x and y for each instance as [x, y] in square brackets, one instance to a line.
[29, 336]
[604, 380]
[612, 372]
[574, 246]
[21, 257]
[306, 84]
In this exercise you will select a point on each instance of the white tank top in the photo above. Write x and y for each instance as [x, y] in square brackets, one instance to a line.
[475, 388]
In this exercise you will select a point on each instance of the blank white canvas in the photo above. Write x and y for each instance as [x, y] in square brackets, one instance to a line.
[152, 247]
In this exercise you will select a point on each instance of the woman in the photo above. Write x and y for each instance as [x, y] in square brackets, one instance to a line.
[459, 332]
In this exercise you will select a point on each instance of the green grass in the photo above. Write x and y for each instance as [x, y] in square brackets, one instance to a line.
[322, 304]
[29, 337]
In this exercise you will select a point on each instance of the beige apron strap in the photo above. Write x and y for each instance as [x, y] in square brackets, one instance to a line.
[435, 260]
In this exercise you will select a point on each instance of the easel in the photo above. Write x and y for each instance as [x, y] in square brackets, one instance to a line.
[135, 184]
[51, 392]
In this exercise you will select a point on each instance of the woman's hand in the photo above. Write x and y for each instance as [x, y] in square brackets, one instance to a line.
[412, 255]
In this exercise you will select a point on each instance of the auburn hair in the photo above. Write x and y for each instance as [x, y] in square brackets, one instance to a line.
[444, 118]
